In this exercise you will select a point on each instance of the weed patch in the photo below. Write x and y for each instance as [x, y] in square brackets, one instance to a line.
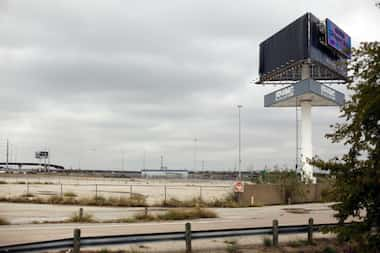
[69, 194]
[85, 218]
[267, 242]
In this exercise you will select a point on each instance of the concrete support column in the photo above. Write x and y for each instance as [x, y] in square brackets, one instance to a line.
[306, 144]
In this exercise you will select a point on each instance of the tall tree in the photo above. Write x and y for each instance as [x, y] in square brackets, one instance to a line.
[357, 173]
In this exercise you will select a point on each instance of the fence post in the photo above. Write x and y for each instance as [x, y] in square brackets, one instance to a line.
[80, 214]
[130, 191]
[310, 231]
[27, 188]
[188, 237]
[200, 193]
[165, 194]
[76, 244]
[96, 193]
[61, 191]
[146, 211]
[275, 232]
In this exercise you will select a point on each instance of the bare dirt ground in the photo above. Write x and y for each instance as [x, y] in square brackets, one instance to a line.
[153, 189]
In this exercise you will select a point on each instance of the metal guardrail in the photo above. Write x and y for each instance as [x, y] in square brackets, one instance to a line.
[187, 236]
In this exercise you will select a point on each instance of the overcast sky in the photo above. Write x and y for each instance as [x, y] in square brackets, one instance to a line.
[95, 81]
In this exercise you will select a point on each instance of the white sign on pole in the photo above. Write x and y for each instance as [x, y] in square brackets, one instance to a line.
[238, 186]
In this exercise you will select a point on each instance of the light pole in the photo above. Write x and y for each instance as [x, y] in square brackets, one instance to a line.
[195, 153]
[239, 161]
[144, 160]
[7, 155]
[122, 159]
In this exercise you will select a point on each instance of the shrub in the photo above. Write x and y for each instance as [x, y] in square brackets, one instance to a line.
[175, 214]
[27, 195]
[267, 242]
[54, 199]
[69, 194]
[232, 246]
[145, 217]
[69, 201]
[184, 214]
[173, 202]
[297, 243]
[227, 201]
[133, 201]
[328, 249]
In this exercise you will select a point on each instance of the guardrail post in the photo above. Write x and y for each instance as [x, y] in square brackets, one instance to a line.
[188, 237]
[27, 188]
[61, 191]
[76, 244]
[130, 191]
[310, 231]
[275, 232]
[80, 214]
[200, 193]
[146, 211]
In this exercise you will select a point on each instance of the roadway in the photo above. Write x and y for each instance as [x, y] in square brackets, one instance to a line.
[21, 215]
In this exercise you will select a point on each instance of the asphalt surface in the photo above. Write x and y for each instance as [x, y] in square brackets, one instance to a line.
[21, 215]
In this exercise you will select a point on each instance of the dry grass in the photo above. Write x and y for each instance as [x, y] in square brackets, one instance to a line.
[186, 214]
[85, 218]
[134, 201]
[227, 201]
[296, 210]
[174, 214]
[27, 195]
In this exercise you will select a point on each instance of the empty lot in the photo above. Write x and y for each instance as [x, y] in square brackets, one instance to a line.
[155, 190]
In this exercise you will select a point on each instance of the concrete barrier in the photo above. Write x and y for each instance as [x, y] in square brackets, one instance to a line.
[274, 194]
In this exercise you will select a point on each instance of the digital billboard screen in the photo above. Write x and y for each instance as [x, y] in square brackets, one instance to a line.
[338, 39]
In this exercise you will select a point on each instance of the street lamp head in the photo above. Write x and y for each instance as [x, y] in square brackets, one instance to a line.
[239, 106]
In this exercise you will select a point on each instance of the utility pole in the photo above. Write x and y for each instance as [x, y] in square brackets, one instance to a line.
[239, 161]
[122, 160]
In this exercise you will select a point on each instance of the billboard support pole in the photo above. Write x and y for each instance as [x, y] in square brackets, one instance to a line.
[306, 131]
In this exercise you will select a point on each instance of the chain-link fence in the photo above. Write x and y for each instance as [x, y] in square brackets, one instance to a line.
[155, 191]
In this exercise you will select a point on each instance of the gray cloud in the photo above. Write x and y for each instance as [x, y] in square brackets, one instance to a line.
[91, 80]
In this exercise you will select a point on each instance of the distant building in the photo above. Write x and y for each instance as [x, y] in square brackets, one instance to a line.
[165, 173]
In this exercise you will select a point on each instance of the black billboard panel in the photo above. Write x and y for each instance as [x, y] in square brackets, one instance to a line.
[286, 46]
[282, 55]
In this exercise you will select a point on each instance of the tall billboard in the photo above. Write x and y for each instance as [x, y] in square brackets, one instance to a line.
[308, 38]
